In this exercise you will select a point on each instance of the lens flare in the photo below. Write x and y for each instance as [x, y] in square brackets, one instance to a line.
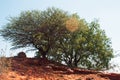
[72, 24]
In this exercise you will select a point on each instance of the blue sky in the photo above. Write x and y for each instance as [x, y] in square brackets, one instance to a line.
[107, 11]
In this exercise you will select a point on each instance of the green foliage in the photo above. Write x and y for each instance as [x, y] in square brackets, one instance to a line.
[88, 47]
[38, 29]
[78, 44]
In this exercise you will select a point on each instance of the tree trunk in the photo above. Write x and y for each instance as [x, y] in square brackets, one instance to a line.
[75, 61]
[75, 64]
[43, 55]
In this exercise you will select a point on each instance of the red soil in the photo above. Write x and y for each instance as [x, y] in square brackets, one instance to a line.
[43, 69]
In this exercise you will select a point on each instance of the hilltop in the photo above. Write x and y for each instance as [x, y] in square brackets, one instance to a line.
[43, 69]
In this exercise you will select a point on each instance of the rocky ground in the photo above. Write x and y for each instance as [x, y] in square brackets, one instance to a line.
[43, 69]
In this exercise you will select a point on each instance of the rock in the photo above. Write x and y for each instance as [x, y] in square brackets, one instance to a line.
[90, 78]
[70, 70]
[21, 55]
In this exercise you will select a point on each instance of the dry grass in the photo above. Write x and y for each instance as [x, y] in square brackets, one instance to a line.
[5, 64]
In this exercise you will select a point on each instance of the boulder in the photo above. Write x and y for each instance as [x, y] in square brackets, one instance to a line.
[21, 55]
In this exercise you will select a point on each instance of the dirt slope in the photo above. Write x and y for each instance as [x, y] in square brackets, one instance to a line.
[43, 69]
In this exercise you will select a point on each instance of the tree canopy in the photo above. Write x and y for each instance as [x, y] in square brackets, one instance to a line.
[60, 36]
[38, 29]
[88, 47]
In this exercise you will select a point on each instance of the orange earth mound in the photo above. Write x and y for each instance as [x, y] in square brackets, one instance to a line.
[43, 69]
